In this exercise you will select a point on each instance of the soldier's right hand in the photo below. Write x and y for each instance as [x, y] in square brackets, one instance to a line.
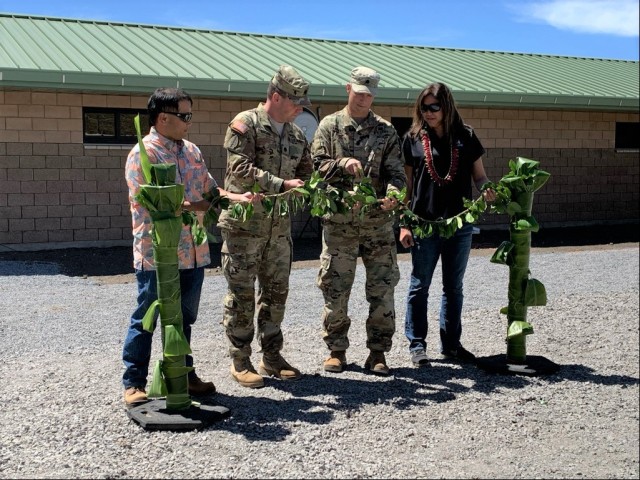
[354, 167]
[254, 198]
[293, 183]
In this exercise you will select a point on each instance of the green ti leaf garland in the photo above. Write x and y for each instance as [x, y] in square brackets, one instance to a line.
[324, 200]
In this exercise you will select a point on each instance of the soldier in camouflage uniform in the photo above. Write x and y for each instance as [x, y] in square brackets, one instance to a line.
[266, 149]
[347, 145]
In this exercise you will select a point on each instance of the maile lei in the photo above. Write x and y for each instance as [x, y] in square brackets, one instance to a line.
[428, 157]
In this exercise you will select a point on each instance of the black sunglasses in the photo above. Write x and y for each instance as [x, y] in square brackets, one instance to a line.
[185, 117]
[430, 107]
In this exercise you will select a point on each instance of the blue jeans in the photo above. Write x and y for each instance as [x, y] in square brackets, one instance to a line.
[425, 253]
[136, 352]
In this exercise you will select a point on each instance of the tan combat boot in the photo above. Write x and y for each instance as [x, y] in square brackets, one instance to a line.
[243, 372]
[336, 362]
[134, 395]
[376, 363]
[276, 366]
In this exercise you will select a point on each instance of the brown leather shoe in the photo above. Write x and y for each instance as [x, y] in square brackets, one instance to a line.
[336, 362]
[133, 395]
[276, 366]
[243, 372]
[198, 387]
[377, 364]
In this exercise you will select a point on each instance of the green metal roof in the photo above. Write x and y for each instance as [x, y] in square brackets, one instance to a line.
[83, 55]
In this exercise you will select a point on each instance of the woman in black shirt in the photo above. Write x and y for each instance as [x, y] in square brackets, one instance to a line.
[442, 155]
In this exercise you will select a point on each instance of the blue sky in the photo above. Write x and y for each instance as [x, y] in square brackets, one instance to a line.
[582, 28]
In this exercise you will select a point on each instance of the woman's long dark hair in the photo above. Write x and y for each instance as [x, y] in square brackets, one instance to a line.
[451, 120]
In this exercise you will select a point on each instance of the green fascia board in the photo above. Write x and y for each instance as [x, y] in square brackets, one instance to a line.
[517, 100]
[400, 94]
[15, 78]
[328, 92]
[117, 83]
[103, 79]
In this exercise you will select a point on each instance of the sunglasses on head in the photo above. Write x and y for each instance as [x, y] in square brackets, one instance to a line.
[430, 107]
[185, 117]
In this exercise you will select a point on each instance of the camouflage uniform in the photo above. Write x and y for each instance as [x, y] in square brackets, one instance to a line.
[375, 144]
[261, 247]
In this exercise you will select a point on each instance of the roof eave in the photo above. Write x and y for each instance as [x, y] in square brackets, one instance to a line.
[114, 83]
[547, 101]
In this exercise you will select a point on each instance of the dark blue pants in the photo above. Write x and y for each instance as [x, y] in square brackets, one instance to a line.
[136, 352]
[454, 253]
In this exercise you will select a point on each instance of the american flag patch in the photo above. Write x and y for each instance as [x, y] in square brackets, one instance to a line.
[239, 127]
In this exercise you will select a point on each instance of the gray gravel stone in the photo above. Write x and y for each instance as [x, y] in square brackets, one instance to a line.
[63, 416]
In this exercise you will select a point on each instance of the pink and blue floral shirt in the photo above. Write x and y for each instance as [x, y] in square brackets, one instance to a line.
[192, 172]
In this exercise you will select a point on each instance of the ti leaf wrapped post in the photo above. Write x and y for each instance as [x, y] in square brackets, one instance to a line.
[162, 197]
[515, 197]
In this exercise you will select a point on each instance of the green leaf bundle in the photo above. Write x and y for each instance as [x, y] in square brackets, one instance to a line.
[163, 198]
[515, 198]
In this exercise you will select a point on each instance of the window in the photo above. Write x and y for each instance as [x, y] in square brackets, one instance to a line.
[627, 135]
[112, 125]
[402, 125]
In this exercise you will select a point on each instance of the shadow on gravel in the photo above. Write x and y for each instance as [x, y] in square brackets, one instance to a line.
[260, 418]
[80, 262]
[582, 373]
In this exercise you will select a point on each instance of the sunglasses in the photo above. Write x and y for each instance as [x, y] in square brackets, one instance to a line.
[185, 117]
[430, 107]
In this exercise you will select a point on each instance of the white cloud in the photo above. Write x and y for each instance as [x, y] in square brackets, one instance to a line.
[612, 17]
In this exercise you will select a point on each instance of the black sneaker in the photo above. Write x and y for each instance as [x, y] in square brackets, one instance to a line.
[461, 354]
[419, 358]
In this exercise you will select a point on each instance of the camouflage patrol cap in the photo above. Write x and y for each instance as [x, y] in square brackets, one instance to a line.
[291, 82]
[364, 80]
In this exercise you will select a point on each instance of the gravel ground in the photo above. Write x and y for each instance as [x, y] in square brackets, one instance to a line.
[63, 415]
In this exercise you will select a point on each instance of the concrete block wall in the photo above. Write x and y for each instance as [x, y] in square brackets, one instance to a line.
[55, 191]
[591, 182]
